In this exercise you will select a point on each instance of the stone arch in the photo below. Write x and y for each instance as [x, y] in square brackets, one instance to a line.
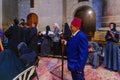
[32, 18]
[96, 6]
[74, 9]
[87, 14]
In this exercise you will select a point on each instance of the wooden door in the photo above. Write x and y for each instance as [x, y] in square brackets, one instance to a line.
[32, 18]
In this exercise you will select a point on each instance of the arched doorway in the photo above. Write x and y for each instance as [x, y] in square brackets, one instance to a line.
[88, 17]
[32, 18]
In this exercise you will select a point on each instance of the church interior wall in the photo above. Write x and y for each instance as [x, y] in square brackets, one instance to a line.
[111, 12]
[9, 12]
[70, 5]
[23, 8]
[96, 5]
[48, 11]
[73, 6]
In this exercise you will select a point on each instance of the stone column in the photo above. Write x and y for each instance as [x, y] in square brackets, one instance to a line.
[111, 12]
[0, 13]
[23, 8]
[9, 12]
[97, 6]
[64, 10]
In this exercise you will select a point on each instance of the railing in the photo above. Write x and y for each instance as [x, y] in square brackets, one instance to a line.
[26, 74]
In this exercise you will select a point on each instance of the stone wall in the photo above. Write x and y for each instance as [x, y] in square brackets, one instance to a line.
[9, 11]
[73, 5]
[49, 12]
[70, 9]
[23, 8]
[111, 12]
[97, 6]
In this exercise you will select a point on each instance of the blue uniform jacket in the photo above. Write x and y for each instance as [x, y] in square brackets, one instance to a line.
[77, 52]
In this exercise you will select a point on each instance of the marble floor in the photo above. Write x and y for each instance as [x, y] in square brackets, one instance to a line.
[50, 69]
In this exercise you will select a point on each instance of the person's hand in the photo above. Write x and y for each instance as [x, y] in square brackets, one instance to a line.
[112, 34]
[63, 41]
[109, 37]
[90, 50]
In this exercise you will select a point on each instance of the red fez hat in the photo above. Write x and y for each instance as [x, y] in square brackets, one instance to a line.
[76, 22]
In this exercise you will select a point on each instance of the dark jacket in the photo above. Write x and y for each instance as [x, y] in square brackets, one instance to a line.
[28, 56]
[32, 37]
[14, 37]
[25, 33]
[112, 39]
[10, 65]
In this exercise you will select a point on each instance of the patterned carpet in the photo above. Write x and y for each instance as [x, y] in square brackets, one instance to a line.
[50, 69]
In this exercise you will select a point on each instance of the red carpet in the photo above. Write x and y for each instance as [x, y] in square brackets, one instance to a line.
[50, 69]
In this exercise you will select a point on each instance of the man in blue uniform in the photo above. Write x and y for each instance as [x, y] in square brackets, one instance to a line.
[77, 50]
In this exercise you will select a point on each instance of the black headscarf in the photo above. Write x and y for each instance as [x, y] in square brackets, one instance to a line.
[23, 48]
[16, 21]
[22, 19]
[47, 29]
[114, 26]
[66, 31]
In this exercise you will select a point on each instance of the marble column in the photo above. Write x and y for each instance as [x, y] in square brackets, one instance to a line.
[64, 10]
[23, 8]
[111, 12]
[97, 6]
[9, 12]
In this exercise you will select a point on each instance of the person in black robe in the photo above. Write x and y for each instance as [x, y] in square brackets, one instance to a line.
[46, 44]
[10, 65]
[40, 40]
[67, 34]
[25, 32]
[66, 31]
[32, 38]
[13, 33]
[26, 55]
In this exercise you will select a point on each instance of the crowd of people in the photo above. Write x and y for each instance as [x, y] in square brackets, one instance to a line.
[22, 44]
[25, 43]
[21, 51]
[110, 53]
